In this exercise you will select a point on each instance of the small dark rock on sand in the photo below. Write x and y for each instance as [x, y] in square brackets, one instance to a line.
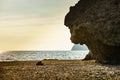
[39, 63]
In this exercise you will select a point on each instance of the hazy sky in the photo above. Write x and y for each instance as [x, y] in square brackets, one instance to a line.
[34, 24]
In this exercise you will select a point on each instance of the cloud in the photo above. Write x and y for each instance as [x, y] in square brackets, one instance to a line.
[33, 24]
[41, 7]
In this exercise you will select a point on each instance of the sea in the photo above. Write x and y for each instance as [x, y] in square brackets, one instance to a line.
[41, 55]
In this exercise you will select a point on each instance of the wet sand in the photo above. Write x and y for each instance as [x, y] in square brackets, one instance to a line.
[58, 70]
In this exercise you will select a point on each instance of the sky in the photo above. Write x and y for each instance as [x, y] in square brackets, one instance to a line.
[34, 25]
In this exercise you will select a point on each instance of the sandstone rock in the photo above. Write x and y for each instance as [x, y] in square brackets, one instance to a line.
[96, 23]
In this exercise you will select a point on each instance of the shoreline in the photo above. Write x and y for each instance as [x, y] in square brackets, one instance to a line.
[58, 70]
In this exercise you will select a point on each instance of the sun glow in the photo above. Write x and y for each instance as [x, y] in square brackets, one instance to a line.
[33, 26]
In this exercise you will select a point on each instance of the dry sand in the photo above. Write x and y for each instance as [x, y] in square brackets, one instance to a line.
[58, 70]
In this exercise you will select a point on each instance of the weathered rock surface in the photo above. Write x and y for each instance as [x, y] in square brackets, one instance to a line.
[96, 23]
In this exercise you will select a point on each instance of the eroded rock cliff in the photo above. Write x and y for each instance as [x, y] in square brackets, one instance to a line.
[96, 23]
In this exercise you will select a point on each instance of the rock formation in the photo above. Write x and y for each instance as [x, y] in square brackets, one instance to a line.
[79, 47]
[96, 23]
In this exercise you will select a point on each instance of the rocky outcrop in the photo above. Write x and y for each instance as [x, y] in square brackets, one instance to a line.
[96, 23]
[79, 47]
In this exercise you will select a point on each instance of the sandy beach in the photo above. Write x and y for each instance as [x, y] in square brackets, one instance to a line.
[58, 70]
